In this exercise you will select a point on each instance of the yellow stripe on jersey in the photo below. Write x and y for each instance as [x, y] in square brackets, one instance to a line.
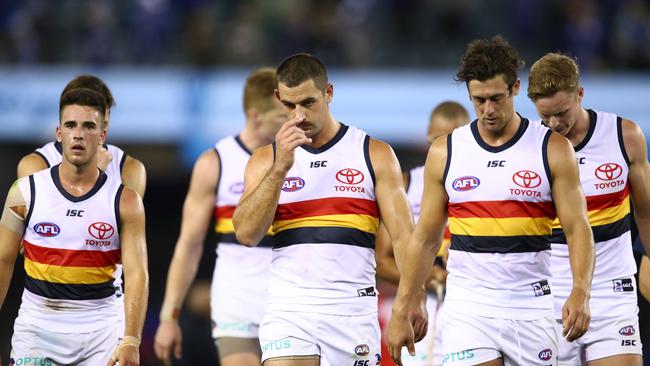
[225, 226]
[354, 221]
[605, 216]
[69, 275]
[514, 226]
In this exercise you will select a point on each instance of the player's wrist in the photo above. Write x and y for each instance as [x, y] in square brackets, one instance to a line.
[169, 313]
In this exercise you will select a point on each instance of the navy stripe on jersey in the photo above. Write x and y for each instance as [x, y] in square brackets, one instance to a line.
[231, 238]
[220, 165]
[327, 235]
[496, 149]
[54, 172]
[339, 135]
[122, 161]
[621, 143]
[32, 189]
[366, 155]
[448, 162]
[241, 144]
[69, 291]
[58, 147]
[601, 233]
[593, 117]
[500, 244]
[118, 197]
[43, 157]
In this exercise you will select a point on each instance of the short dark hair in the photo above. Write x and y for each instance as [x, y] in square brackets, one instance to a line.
[301, 67]
[485, 59]
[93, 83]
[84, 97]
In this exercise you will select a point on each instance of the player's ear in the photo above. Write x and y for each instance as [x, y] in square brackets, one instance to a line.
[58, 134]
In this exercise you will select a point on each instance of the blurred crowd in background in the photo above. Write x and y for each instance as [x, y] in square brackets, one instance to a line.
[603, 34]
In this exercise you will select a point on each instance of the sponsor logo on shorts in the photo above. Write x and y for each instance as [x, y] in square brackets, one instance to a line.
[623, 285]
[466, 183]
[627, 331]
[47, 229]
[370, 291]
[545, 354]
[362, 350]
[31, 361]
[239, 326]
[458, 356]
[292, 184]
[277, 345]
[541, 288]
[237, 188]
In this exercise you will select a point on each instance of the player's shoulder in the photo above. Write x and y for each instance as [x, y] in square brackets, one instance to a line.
[130, 200]
[30, 164]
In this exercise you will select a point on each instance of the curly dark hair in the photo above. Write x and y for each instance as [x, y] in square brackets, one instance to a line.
[485, 59]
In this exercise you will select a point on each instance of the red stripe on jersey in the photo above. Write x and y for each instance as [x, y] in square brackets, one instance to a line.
[603, 201]
[501, 209]
[326, 206]
[224, 212]
[70, 258]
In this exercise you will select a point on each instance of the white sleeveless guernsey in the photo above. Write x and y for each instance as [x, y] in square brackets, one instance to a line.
[51, 153]
[500, 217]
[324, 230]
[603, 165]
[239, 270]
[72, 247]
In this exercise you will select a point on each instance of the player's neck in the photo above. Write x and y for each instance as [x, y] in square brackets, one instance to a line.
[579, 131]
[502, 136]
[252, 140]
[327, 133]
[78, 179]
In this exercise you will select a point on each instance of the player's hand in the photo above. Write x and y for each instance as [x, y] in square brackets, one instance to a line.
[575, 315]
[419, 317]
[168, 339]
[400, 334]
[288, 138]
[127, 356]
[104, 158]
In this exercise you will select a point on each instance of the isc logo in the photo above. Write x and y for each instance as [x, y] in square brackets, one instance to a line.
[292, 184]
[628, 342]
[47, 229]
[465, 183]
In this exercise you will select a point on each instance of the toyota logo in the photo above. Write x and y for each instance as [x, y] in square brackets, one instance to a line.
[608, 171]
[349, 176]
[527, 179]
[101, 230]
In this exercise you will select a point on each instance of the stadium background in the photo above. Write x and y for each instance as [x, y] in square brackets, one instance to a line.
[177, 67]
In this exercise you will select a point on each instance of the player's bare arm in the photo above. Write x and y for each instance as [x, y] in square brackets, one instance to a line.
[197, 211]
[30, 164]
[134, 175]
[639, 178]
[571, 208]
[419, 253]
[384, 257]
[263, 180]
[136, 276]
[12, 226]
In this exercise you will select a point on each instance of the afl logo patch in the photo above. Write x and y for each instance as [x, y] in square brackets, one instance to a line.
[292, 184]
[527, 179]
[101, 230]
[467, 183]
[627, 331]
[362, 350]
[47, 229]
[545, 354]
[349, 176]
[608, 171]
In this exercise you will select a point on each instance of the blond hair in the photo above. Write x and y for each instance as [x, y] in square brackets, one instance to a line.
[258, 92]
[553, 73]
